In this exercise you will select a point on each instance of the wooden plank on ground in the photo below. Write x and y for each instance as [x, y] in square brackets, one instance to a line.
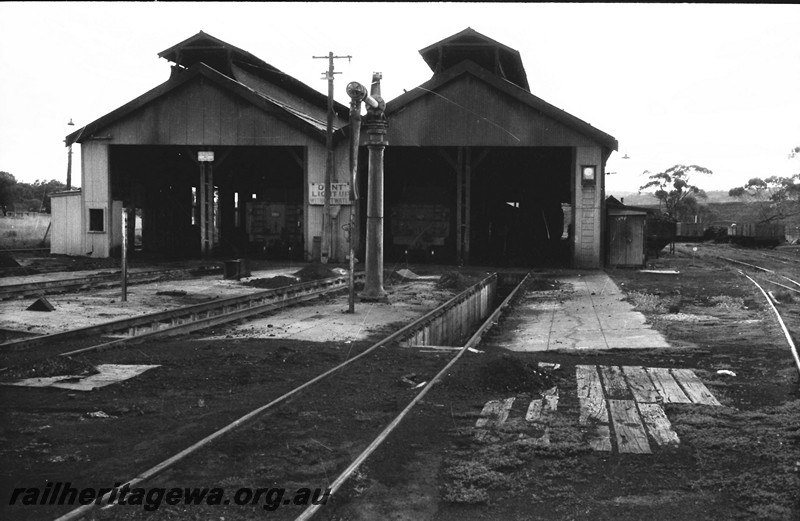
[534, 413]
[600, 438]
[641, 386]
[551, 398]
[694, 388]
[590, 395]
[495, 412]
[614, 383]
[667, 387]
[657, 423]
[537, 412]
[630, 433]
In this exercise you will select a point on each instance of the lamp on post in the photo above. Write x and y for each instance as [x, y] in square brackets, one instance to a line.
[69, 160]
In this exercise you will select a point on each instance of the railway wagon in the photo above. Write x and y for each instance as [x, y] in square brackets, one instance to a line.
[757, 234]
[660, 232]
[690, 231]
[420, 229]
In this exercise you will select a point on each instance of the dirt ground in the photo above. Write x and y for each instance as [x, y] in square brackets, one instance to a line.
[740, 460]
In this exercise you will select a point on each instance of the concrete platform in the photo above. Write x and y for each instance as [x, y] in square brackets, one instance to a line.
[588, 311]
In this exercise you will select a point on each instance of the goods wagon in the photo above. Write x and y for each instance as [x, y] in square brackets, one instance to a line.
[757, 234]
[690, 231]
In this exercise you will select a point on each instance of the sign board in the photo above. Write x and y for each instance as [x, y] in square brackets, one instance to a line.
[205, 156]
[340, 193]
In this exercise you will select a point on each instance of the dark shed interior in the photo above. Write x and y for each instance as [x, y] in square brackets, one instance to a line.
[516, 205]
[258, 198]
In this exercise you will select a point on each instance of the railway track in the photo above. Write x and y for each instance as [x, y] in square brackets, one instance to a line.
[474, 305]
[98, 281]
[168, 323]
[768, 276]
[365, 437]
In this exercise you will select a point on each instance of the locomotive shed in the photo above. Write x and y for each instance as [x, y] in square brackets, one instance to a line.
[228, 156]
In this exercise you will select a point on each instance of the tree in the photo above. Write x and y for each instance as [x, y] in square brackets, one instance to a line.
[8, 189]
[27, 197]
[779, 197]
[672, 188]
[41, 191]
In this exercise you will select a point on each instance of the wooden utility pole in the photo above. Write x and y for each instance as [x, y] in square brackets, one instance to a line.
[69, 160]
[327, 231]
[124, 270]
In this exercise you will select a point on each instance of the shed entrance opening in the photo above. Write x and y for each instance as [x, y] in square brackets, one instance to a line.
[252, 201]
[500, 206]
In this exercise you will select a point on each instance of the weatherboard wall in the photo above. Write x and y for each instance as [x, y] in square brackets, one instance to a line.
[96, 189]
[202, 113]
[588, 235]
[470, 112]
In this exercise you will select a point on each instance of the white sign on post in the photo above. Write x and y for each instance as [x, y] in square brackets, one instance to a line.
[340, 193]
[205, 156]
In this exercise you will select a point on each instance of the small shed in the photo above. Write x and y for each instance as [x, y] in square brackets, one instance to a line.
[626, 232]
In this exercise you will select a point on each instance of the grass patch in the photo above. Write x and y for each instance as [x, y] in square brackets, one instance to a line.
[731, 451]
[727, 302]
[647, 302]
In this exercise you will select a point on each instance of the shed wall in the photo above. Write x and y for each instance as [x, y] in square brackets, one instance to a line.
[96, 190]
[588, 209]
[201, 113]
[66, 237]
[469, 112]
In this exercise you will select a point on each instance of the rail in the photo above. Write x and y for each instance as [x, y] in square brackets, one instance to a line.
[473, 341]
[193, 317]
[103, 280]
[79, 512]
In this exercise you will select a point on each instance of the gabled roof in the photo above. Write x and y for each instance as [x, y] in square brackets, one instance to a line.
[220, 55]
[212, 51]
[467, 67]
[289, 115]
[471, 45]
[614, 204]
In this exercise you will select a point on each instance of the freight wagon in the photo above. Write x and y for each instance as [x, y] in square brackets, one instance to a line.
[690, 231]
[757, 234]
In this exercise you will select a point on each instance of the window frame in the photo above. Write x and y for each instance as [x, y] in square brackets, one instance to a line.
[90, 221]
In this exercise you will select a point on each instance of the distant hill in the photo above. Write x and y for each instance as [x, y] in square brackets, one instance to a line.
[719, 209]
[646, 199]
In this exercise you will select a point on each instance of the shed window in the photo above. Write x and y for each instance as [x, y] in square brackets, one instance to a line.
[97, 221]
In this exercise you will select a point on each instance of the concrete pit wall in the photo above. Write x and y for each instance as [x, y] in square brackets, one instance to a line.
[455, 323]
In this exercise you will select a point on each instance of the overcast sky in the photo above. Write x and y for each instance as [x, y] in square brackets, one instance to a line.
[713, 85]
